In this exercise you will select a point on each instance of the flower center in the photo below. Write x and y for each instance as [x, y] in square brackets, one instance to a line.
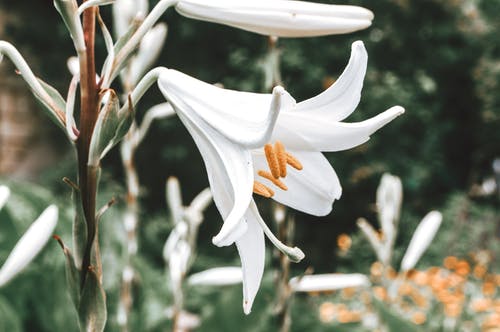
[277, 160]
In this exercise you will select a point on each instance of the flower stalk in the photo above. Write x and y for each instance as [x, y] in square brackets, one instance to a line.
[89, 103]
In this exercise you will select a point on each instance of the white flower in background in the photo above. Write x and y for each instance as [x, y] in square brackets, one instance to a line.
[280, 18]
[328, 282]
[4, 195]
[219, 276]
[421, 239]
[125, 12]
[231, 130]
[389, 199]
[30, 244]
[149, 50]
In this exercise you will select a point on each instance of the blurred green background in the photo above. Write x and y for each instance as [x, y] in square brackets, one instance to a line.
[438, 59]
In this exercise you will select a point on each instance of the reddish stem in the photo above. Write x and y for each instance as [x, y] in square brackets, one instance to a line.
[88, 117]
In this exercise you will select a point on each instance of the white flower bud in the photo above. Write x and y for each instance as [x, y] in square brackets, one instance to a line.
[30, 244]
[422, 238]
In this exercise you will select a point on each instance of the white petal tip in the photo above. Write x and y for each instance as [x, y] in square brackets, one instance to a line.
[222, 241]
[398, 109]
[247, 307]
[358, 44]
[278, 90]
[296, 255]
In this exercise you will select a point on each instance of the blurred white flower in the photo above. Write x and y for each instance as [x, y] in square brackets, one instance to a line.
[4, 195]
[422, 238]
[328, 282]
[219, 276]
[231, 128]
[125, 11]
[30, 244]
[149, 50]
[389, 199]
[280, 18]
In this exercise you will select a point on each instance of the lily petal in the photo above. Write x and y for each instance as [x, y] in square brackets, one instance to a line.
[219, 276]
[338, 101]
[243, 117]
[304, 131]
[251, 248]
[30, 244]
[279, 18]
[230, 175]
[311, 190]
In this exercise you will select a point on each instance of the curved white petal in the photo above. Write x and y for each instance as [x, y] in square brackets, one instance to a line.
[328, 282]
[341, 98]
[311, 190]
[243, 117]
[230, 175]
[279, 18]
[421, 239]
[251, 248]
[30, 244]
[303, 131]
[219, 276]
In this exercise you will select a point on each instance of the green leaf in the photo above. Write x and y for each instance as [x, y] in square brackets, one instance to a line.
[105, 129]
[112, 125]
[9, 318]
[54, 94]
[92, 311]
[59, 104]
[79, 228]
[122, 41]
[72, 275]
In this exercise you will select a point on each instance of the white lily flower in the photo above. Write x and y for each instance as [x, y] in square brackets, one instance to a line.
[4, 195]
[219, 276]
[30, 244]
[280, 18]
[226, 124]
[421, 239]
[328, 282]
[389, 200]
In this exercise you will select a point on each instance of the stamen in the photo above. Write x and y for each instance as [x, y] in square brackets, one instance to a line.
[294, 162]
[271, 178]
[281, 154]
[272, 160]
[262, 189]
[294, 254]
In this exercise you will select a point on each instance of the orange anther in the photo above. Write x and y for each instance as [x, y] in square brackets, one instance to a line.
[262, 190]
[294, 162]
[272, 160]
[271, 178]
[279, 148]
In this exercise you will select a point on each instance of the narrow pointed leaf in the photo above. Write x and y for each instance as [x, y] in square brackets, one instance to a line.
[92, 311]
[79, 228]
